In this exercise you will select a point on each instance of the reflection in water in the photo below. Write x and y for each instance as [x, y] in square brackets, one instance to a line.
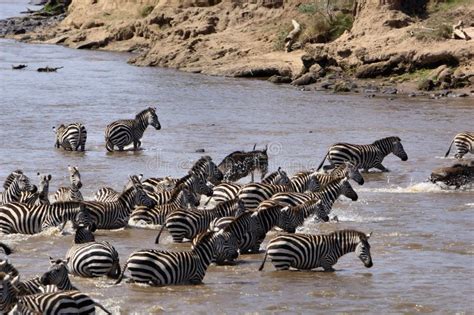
[421, 246]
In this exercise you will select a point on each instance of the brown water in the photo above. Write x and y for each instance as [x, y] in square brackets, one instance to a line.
[423, 240]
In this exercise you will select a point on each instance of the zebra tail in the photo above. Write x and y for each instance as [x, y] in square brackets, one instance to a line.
[102, 308]
[80, 138]
[263, 262]
[6, 249]
[109, 146]
[449, 149]
[115, 271]
[321, 165]
[120, 278]
[157, 239]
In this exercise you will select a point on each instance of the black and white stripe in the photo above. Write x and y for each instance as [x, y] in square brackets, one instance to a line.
[206, 169]
[18, 184]
[41, 196]
[108, 194]
[123, 132]
[158, 267]
[158, 184]
[71, 193]
[464, 143]
[72, 137]
[306, 251]
[189, 223]
[346, 169]
[191, 182]
[365, 156]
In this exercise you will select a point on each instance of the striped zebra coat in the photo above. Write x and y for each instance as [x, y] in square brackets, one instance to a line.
[206, 169]
[341, 171]
[189, 223]
[70, 193]
[123, 132]
[253, 194]
[365, 156]
[41, 196]
[108, 194]
[158, 185]
[306, 251]
[158, 267]
[18, 184]
[464, 143]
[72, 137]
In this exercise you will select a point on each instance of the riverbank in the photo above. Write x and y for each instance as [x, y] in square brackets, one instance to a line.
[386, 51]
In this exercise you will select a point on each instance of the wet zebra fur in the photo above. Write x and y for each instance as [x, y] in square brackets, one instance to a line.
[158, 267]
[189, 223]
[157, 185]
[11, 177]
[108, 194]
[464, 143]
[71, 193]
[123, 132]
[39, 197]
[253, 194]
[19, 183]
[343, 170]
[206, 169]
[365, 156]
[306, 251]
[72, 137]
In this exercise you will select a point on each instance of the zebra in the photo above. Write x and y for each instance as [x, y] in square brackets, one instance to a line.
[115, 215]
[41, 196]
[181, 199]
[307, 251]
[239, 164]
[328, 195]
[20, 183]
[58, 275]
[84, 234]
[365, 156]
[93, 259]
[70, 193]
[123, 132]
[6, 249]
[8, 292]
[22, 218]
[72, 137]
[10, 178]
[206, 169]
[7, 268]
[346, 169]
[464, 143]
[253, 194]
[158, 267]
[108, 194]
[157, 185]
[189, 223]
[229, 191]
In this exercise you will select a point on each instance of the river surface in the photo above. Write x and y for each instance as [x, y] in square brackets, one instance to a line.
[423, 236]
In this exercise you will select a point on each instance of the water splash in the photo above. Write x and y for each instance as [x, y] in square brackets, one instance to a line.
[424, 187]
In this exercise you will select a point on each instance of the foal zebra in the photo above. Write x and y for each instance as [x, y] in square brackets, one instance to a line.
[158, 267]
[71, 137]
[239, 164]
[70, 193]
[39, 197]
[206, 169]
[123, 132]
[189, 223]
[19, 183]
[306, 251]
[253, 194]
[365, 156]
[464, 143]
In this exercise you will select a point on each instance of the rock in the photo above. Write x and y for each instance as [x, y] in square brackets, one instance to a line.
[435, 59]
[390, 90]
[278, 79]
[344, 53]
[305, 79]
[272, 3]
[200, 151]
[433, 75]
[327, 84]
[342, 86]
[91, 24]
[445, 75]
[426, 85]
[398, 22]
[257, 72]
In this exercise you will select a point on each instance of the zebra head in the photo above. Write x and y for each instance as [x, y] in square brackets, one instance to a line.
[353, 173]
[347, 190]
[74, 176]
[58, 132]
[313, 183]
[398, 149]
[189, 198]
[84, 234]
[261, 160]
[226, 247]
[363, 250]
[43, 186]
[153, 118]
[207, 169]
[57, 273]
[10, 178]
[8, 292]
[282, 178]
[23, 182]
[7, 267]
[141, 198]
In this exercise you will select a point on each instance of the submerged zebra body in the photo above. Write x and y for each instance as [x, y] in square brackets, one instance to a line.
[306, 251]
[121, 133]
[70, 193]
[464, 143]
[365, 156]
[159, 267]
[71, 137]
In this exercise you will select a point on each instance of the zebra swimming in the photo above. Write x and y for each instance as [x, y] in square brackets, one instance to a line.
[307, 251]
[123, 132]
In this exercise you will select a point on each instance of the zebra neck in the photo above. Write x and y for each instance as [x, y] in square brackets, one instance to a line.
[8, 296]
[12, 193]
[141, 123]
[344, 243]
[127, 198]
[205, 252]
[385, 147]
[65, 284]
[309, 210]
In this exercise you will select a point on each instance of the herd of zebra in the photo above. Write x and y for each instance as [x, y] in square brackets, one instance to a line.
[237, 224]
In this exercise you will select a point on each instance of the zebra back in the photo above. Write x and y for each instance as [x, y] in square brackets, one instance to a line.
[10, 178]
[464, 142]
[72, 137]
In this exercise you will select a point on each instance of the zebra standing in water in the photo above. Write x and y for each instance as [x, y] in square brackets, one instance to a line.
[239, 164]
[464, 143]
[41, 196]
[92, 259]
[158, 267]
[206, 169]
[306, 251]
[108, 194]
[123, 132]
[346, 169]
[365, 156]
[70, 193]
[18, 183]
[71, 137]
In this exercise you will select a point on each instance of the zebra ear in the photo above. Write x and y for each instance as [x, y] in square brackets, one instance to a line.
[254, 146]
[369, 235]
[38, 174]
[52, 261]
[67, 261]
[49, 177]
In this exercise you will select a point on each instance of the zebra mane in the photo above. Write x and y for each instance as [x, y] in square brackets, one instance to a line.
[183, 179]
[387, 139]
[235, 223]
[203, 238]
[144, 112]
[348, 233]
[10, 178]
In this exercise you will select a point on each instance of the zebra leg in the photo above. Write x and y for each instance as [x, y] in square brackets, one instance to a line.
[381, 167]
